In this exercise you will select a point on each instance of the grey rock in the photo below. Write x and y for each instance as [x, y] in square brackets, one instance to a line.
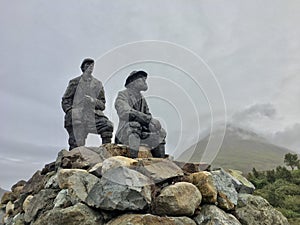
[79, 158]
[159, 169]
[109, 150]
[62, 199]
[121, 189]
[48, 168]
[9, 208]
[18, 219]
[180, 199]
[117, 161]
[227, 194]
[2, 213]
[241, 183]
[127, 176]
[7, 220]
[8, 196]
[189, 167]
[78, 182]
[40, 202]
[18, 204]
[34, 184]
[148, 219]
[59, 158]
[15, 187]
[212, 215]
[78, 214]
[255, 210]
[52, 182]
[96, 170]
[26, 203]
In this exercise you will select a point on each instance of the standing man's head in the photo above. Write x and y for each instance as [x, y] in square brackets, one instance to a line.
[137, 81]
[87, 65]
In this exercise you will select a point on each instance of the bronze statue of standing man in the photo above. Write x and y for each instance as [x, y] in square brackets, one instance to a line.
[136, 124]
[83, 103]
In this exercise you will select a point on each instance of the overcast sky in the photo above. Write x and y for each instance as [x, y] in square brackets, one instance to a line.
[252, 48]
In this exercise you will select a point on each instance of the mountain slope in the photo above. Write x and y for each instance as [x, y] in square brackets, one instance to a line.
[241, 149]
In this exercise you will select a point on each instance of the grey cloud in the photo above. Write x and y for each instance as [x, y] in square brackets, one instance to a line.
[266, 120]
[255, 112]
[288, 137]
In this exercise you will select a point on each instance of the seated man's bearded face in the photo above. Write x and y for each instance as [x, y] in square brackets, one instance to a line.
[140, 84]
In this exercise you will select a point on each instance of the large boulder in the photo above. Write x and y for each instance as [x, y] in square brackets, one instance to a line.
[212, 215]
[227, 194]
[121, 189]
[78, 182]
[180, 199]
[255, 210]
[77, 214]
[204, 182]
[159, 169]
[148, 219]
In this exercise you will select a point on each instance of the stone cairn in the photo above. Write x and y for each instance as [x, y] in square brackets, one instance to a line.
[102, 186]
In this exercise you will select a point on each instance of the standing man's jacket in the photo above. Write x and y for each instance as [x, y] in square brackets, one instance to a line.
[74, 103]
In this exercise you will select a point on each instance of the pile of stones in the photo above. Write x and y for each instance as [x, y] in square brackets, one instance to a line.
[97, 186]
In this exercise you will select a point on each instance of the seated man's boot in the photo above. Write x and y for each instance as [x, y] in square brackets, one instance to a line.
[133, 153]
[159, 151]
[106, 137]
[106, 140]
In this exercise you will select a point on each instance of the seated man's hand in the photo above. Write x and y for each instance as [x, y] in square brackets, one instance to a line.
[142, 118]
[154, 125]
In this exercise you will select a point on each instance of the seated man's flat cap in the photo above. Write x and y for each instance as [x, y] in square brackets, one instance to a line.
[135, 75]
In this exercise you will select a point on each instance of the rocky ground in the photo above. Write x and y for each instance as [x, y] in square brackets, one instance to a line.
[102, 186]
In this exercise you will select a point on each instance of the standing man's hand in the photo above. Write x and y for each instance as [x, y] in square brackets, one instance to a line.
[89, 99]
